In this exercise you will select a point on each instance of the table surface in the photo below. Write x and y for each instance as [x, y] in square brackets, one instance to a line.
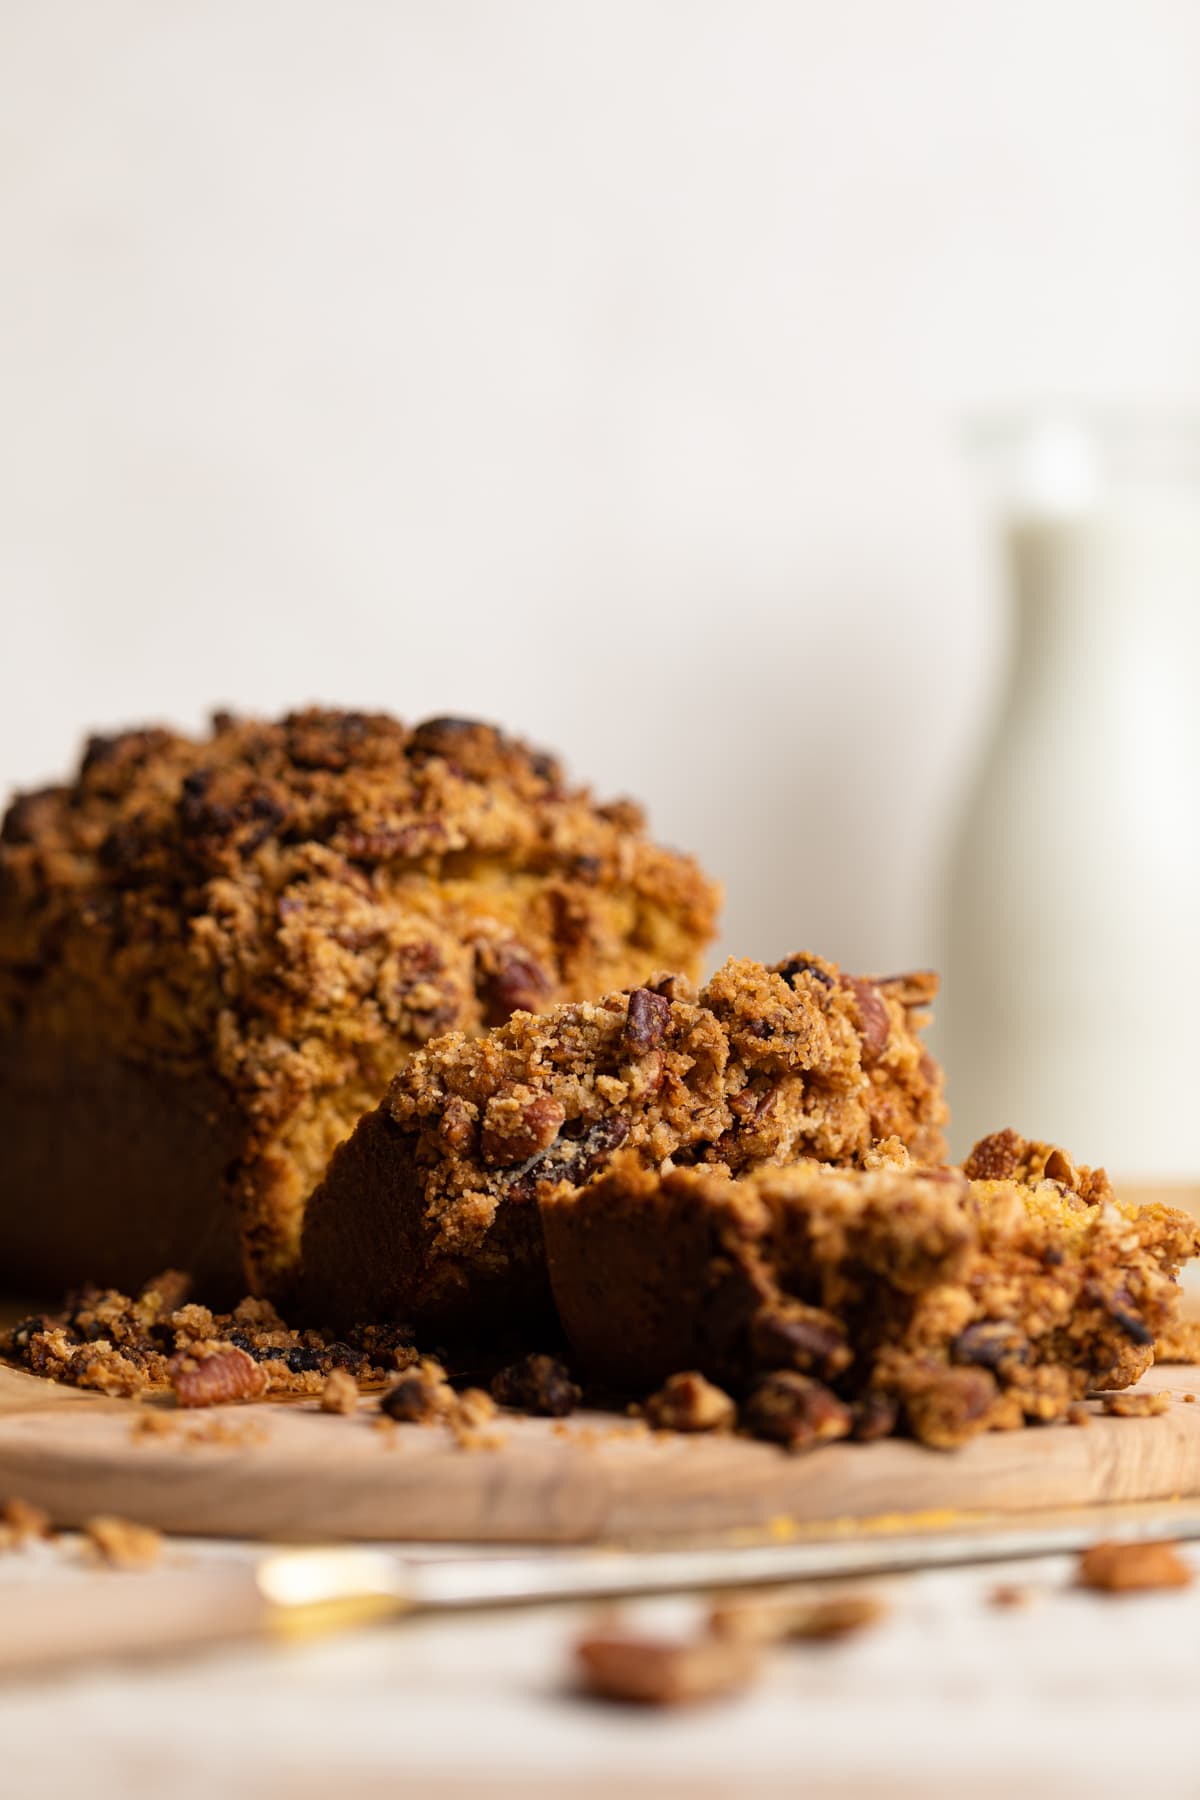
[1072, 1693]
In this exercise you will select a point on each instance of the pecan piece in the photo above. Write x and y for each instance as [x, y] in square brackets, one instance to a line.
[995, 1158]
[991, 1344]
[763, 1619]
[537, 1384]
[946, 1406]
[122, 1544]
[646, 1022]
[617, 1665]
[873, 1023]
[789, 1335]
[20, 1521]
[509, 980]
[421, 1396]
[576, 1154]
[875, 1416]
[216, 1378]
[1124, 1568]
[794, 1410]
[687, 1402]
[516, 1127]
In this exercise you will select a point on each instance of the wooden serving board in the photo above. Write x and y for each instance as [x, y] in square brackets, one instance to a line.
[294, 1473]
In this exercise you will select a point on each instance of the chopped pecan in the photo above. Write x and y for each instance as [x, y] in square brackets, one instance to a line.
[519, 1125]
[508, 980]
[1059, 1167]
[916, 988]
[991, 1344]
[576, 1154]
[873, 1022]
[673, 987]
[421, 1396]
[646, 1022]
[687, 1402]
[764, 1619]
[617, 1665]
[995, 1158]
[121, 1543]
[21, 1521]
[946, 1406]
[217, 1377]
[875, 1416]
[789, 1335]
[537, 1384]
[794, 1410]
[1117, 1568]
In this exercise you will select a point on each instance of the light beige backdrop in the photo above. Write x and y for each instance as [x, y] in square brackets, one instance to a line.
[592, 367]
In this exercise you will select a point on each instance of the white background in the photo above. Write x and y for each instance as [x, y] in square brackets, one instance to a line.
[596, 368]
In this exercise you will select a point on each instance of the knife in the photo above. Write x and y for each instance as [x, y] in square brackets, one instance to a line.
[295, 1594]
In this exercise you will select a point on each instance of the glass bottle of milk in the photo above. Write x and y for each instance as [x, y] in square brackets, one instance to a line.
[1072, 993]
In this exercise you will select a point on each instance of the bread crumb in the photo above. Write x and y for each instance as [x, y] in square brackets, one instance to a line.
[1010, 1594]
[688, 1402]
[1135, 1406]
[340, 1392]
[122, 1544]
[20, 1522]
[153, 1423]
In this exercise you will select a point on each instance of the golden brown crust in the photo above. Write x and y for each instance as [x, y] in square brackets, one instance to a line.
[427, 1213]
[839, 1301]
[287, 910]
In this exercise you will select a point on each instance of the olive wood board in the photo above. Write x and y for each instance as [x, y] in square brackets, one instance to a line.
[294, 1473]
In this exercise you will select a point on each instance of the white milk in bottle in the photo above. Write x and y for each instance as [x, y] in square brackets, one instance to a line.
[1072, 991]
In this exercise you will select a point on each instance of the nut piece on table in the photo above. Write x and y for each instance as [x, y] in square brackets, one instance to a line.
[795, 1411]
[770, 1618]
[21, 1522]
[421, 1396]
[687, 1402]
[789, 1335]
[1116, 1568]
[121, 1543]
[537, 1384]
[217, 1376]
[340, 1393]
[1010, 1596]
[617, 1665]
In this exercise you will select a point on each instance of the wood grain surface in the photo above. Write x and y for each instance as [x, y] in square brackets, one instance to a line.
[294, 1473]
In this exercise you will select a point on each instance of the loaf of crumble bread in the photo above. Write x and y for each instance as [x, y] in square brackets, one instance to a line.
[858, 1302]
[428, 1212]
[215, 952]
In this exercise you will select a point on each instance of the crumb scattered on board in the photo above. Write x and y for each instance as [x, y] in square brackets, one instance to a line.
[340, 1392]
[1010, 1596]
[1136, 1406]
[122, 1544]
[21, 1523]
